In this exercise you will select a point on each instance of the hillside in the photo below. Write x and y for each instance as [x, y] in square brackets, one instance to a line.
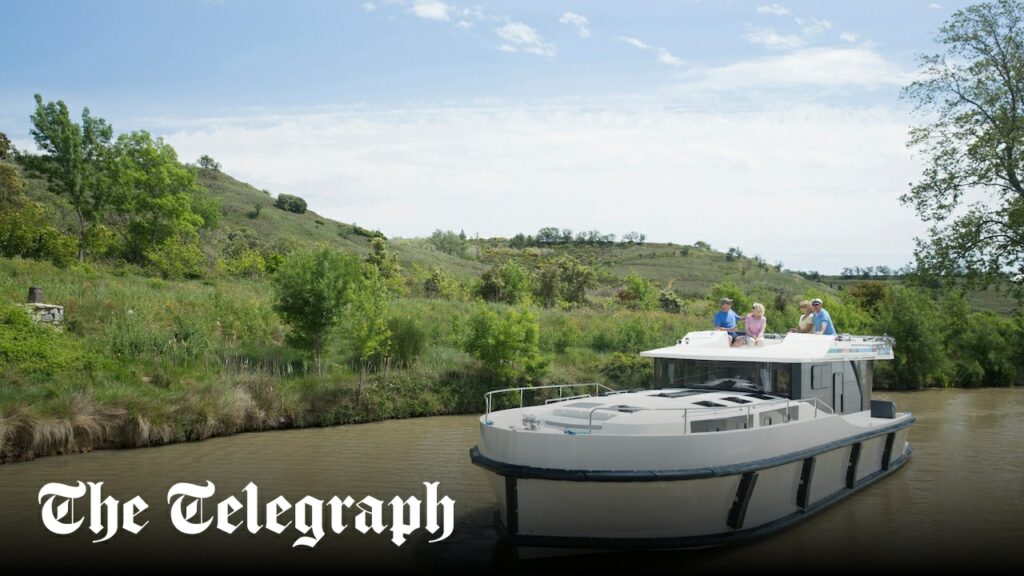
[238, 201]
[688, 270]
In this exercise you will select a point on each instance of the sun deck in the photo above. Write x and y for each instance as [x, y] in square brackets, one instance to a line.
[665, 411]
[790, 348]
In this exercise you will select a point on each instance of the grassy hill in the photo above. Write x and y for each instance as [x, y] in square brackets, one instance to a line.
[272, 225]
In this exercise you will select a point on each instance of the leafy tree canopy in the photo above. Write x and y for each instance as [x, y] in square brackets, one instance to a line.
[972, 95]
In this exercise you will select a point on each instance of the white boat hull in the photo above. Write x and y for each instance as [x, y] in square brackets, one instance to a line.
[688, 507]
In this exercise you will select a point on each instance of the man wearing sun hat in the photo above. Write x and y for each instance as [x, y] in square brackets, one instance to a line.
[725, 318]
[822, 319]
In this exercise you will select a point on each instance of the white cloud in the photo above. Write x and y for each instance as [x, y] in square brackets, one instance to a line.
[813, 26]
[774, 9]
[369, 6]
[431, 10]
[464, 24]
[580, 22]
[849, 36]
[664, 56]
[772, 39]
[525, 39]
[507, 48]
[488, 169]
[635, 42]
[935, 6]
[821, 67]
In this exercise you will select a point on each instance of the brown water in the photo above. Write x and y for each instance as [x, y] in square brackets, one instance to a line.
[960, 500]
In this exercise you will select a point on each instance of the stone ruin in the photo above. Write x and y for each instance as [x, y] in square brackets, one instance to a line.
[41, 312]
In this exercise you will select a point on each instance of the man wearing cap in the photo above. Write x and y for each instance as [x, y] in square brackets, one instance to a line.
[725, 318]
[822, 319]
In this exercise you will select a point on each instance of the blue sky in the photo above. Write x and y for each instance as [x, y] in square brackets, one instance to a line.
[720, 121]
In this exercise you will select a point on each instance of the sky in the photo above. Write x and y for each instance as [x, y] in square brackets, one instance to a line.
[777, 128]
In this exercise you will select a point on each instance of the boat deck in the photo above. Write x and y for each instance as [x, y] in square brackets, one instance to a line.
[665, 411]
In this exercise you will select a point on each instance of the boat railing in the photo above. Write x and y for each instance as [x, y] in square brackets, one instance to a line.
[884, 339]
[522, 390]
[819, 406]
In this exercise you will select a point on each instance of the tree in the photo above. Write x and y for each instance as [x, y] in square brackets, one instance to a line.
[25, 228]
[74, 161]
[290, 203]
[911, 317]
[449, 242]
[208, 163]
[507, 282]
[6, 147]
[973, 146]
[385, 261]
[311, 289]
[368, 323]
[157, 200]
[564, 280]
[507, 343]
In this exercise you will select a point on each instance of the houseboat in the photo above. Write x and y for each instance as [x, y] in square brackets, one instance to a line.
[728, 445]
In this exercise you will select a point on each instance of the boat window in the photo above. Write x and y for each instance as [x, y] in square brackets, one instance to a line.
[737, 399]
[710, 404]
[782, 376]
[818, 377]
[729, 376]
[720, 424]
[678, 393]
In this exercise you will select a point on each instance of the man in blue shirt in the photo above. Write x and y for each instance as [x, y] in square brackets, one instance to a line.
[822, 319]
[725, 318]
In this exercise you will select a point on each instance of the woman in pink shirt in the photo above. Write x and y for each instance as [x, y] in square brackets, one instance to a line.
[753, 325]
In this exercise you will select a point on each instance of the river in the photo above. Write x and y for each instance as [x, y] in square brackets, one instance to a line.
[959, 501]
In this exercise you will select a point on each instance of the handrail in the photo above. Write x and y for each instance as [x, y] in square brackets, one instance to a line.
[522, 391]
[686, 410]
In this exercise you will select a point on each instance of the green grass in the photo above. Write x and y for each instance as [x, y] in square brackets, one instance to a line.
[144, 361]
[275, 225]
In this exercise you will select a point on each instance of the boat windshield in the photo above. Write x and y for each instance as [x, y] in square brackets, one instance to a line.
[761, 377]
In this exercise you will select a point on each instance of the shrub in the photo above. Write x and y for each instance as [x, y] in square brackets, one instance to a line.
[670, 302]
[408, 341]
[628, 370]
[740, 301]
[440, 284]
[507, 343]
[290, 203]
[911, 317]
[248, 264]
[174, 259]
[507, 282]
[983, 351]
[35, 349]
[638, 293]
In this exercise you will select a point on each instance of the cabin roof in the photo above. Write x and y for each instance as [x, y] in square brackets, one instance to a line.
[796, 348]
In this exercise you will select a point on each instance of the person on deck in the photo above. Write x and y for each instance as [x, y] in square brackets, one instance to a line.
[806, 323]
[753, 327]
[822, 319]
[725, 318]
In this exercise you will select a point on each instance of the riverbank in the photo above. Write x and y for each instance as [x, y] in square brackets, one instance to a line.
[143, 362]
